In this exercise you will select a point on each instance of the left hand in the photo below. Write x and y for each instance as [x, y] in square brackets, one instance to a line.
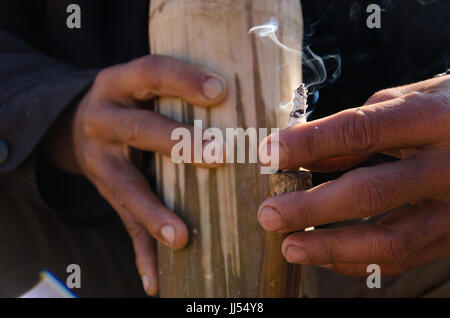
[410, 122]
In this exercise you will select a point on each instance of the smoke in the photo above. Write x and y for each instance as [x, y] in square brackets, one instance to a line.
[315, 70]
[269, 30]
[317, 65]
[426, 2]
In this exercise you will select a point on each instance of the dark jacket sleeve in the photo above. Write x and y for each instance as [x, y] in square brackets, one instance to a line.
[34, 90]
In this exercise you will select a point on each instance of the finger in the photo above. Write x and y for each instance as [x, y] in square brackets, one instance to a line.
[123, 184]
[357, 194]
[398, 123]
[426, 86]
[157, 75]
[337, 164]
[150, 131]
[390, 241]
[145, 251]
[437, 250]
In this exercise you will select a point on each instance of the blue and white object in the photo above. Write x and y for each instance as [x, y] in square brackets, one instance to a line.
[49, 287]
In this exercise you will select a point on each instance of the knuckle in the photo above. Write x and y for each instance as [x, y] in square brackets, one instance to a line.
[396, 247]
[370, 195]
[333, 251]
[122, 197]
[86, 119]
[103, 77]
[90, 125]
[383, 95]
[125, 190]
[424, 104]
[417, 98]
[299, 216]
[301, 219]
[123, 194]
[135, 126]
[143, 65]
[439, 101]
[305, 215]
[148, 68]
[433, 106]
[313, 145]
[141, 263]
[403, 266]
[361, 132]
[136, 231]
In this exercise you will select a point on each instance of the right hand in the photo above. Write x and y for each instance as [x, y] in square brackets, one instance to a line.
[107, 123]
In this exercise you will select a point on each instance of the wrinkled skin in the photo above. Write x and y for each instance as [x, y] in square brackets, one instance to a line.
[411, 123]
[95, 139]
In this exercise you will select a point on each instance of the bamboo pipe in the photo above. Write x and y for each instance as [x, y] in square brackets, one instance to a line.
[227, 250]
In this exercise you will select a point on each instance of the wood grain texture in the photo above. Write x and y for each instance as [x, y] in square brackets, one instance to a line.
[225, 253]
[277, 277]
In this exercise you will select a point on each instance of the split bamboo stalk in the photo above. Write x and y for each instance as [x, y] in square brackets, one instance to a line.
[228, 253]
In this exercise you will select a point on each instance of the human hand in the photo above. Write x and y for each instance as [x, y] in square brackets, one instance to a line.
[411, 123]
[108, 122]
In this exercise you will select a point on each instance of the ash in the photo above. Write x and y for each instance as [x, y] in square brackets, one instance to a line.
[300, 104]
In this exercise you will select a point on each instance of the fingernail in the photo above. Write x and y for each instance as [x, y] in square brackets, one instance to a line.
[270, 219]
[212, 88]
[168, 234]
[146, 283]
[295, 254]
